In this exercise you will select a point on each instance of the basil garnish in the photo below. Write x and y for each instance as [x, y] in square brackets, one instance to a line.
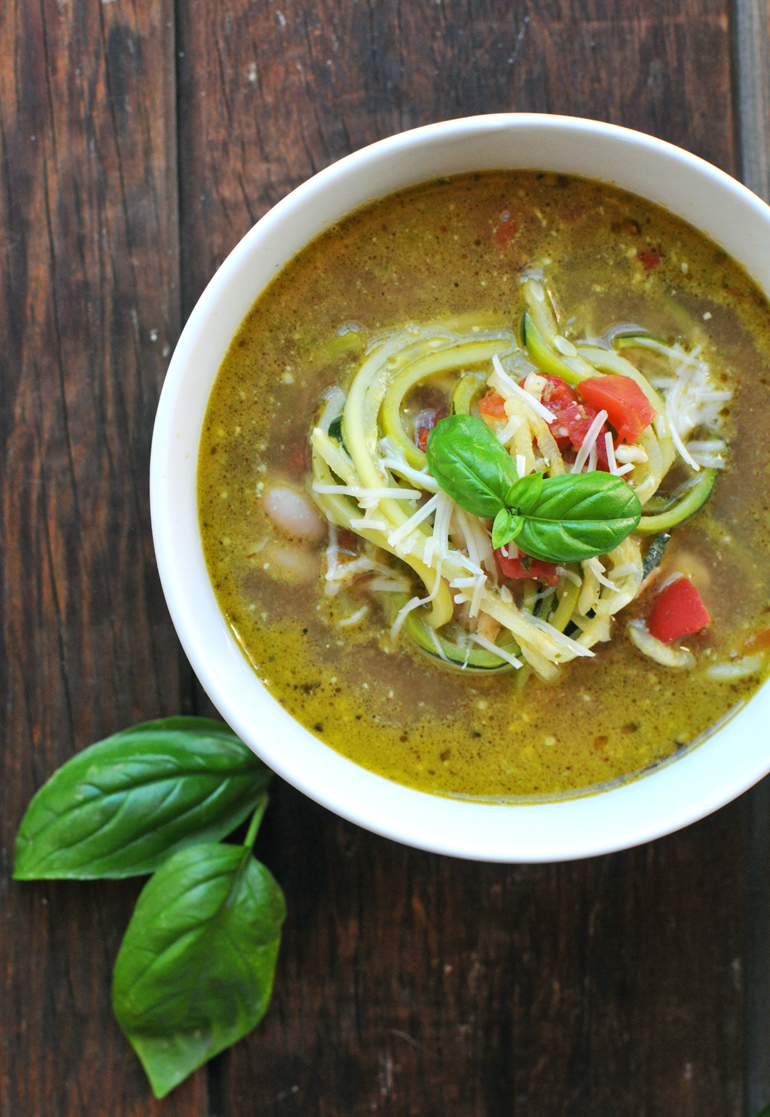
[195, 970]
[470, 465]
[123, 806]
[567, 518]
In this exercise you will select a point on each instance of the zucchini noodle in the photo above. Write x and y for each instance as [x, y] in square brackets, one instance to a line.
[370, 477]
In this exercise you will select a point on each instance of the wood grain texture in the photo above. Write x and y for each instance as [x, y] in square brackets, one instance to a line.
[751, 22]
[272, 92]
[410, 984]
[752, 74]
[89, 309]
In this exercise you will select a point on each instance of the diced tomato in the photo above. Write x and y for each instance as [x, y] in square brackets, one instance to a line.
[573, 419]
[649, 258]
[628, 409]
[425, 423]
[758, 642]
[492, 405]
[506, 230]
[678, 611]
[526, 567]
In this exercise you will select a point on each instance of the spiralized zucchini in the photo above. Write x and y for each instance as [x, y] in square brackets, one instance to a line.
[371, 478]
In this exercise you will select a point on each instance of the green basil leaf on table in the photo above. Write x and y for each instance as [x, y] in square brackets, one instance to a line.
[124, 805]
[567, 518]
[194, 973]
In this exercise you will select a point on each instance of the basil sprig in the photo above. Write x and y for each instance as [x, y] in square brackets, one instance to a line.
[123, 806]
[567, 518]
[195, 970]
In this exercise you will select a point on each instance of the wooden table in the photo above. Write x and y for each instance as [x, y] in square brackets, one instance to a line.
[139, 140]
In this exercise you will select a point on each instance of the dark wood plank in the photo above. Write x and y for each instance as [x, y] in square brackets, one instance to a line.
[412, 984]
[752, 56]
[271, 93]
[752, 59]
[89, 310]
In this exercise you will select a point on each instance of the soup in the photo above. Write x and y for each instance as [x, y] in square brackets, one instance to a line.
[519, 676]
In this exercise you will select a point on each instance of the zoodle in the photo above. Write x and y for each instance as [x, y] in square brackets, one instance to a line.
[523, 500]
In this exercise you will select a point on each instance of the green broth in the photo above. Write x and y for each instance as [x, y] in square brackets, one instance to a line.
[444, 250]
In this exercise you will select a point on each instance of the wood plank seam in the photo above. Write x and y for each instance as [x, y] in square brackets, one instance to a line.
[751, 61]
[751, 53]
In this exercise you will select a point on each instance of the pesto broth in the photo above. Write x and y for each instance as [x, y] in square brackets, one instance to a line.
[452, 248]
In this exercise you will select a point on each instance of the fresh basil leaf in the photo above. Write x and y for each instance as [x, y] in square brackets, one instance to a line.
[578, 516]
[506, 528]
[470, 464]
[122, 806]
[501, 528]
[194, 973]
[525, 494]
[558, 519]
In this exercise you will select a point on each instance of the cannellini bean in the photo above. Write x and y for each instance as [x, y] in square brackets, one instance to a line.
[293, 513]
[738, 669]
[293, 564]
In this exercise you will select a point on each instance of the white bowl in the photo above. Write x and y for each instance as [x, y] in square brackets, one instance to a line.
[726, 763]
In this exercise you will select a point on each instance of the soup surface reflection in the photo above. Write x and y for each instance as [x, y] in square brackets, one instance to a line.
[454, 251]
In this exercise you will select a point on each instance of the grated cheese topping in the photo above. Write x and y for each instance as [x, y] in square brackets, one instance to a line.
[508, 387]
[490, 647]
[589, 443]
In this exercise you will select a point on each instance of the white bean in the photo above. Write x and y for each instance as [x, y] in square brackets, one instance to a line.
[293, 513]
[293, 564]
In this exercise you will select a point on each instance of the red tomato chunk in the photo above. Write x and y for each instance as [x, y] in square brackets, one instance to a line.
[525, 567]
[678, 611]
[492, 405]
[573, 419]
[628, 409]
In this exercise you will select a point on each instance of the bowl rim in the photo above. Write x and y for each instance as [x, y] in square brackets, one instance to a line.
[585, 824]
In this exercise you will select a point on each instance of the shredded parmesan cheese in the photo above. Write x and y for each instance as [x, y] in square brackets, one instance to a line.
[569, 575]
[598, 572]
[402, 614]
[610, 446]
[413, 522]
[490, 647]
[511, 388]
[477, 592]
[589, 442]
[354, 618]
[560, 638]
